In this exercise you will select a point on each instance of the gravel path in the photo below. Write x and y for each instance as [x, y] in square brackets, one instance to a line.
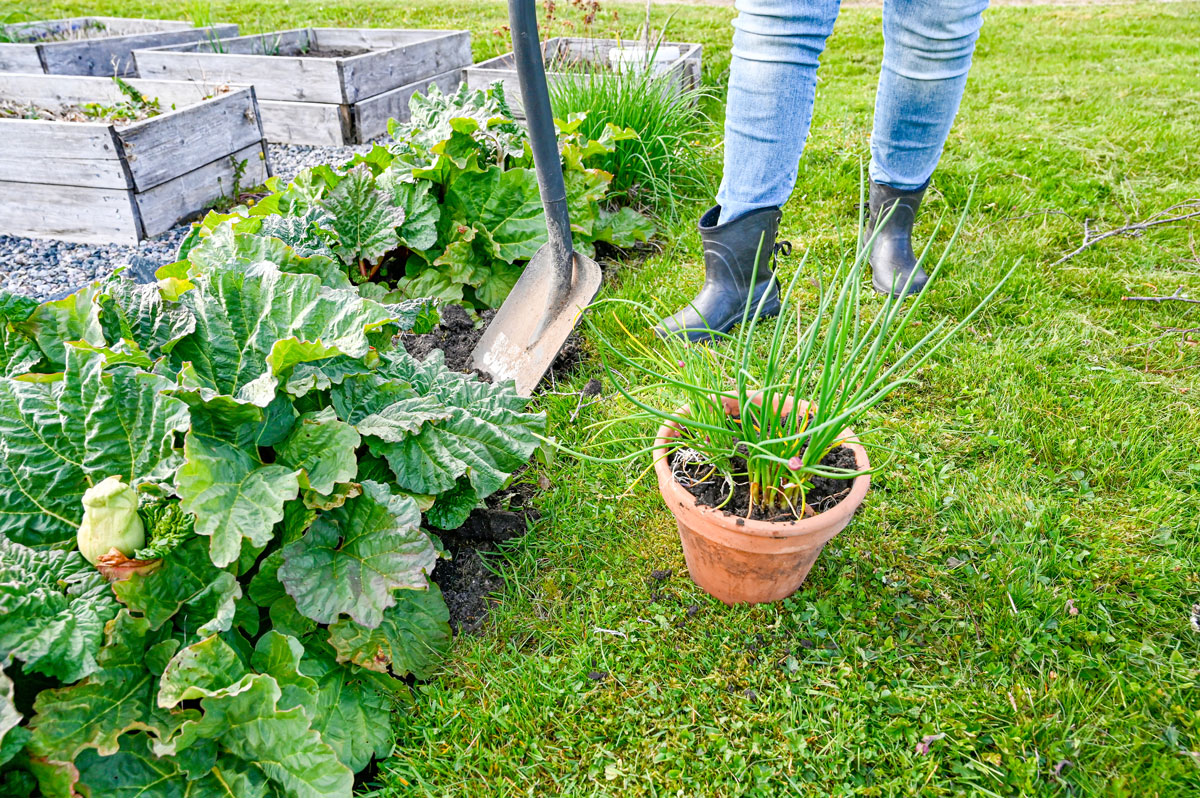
[45, 268]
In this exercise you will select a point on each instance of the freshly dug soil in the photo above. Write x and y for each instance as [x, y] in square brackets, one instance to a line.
[457, 335]
[466, 582]
[712, 490]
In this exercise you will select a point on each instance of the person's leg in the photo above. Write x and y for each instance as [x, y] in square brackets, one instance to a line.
[927, 52]
[927, 49]
[772, 82]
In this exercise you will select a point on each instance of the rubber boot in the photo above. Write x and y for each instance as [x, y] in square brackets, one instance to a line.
[730, 278]
[892, 259]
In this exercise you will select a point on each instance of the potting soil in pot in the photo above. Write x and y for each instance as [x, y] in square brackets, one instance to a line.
[711, 489]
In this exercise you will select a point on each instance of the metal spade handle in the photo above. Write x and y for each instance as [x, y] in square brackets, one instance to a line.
[531, 73]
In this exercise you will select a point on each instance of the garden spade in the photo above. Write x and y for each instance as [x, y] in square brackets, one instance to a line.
[544, 306]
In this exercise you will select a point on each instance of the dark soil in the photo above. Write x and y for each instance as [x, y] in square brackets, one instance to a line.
[457, 335]
[466, 582]
[332, 52]
[713, 491]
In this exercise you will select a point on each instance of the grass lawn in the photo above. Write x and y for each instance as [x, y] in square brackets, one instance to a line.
[1020, 577]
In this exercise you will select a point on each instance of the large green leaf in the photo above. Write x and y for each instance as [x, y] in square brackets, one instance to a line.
[187, 586]
[412, 639]
[486, 434]
[231, 246]
[136, 772]
[505, 203]
[19, 353]
[128, 425]
[264, 321]
[351, 714]
[53, 608]
[207, 668]
[232, 494]
[353, 558]
[322, 448]
[421, 209]
[41, 468]
[248, 724]
[73, 318]
[58, 437]
[279, 655]
[118, 697]
[139, 313]
[363, 218]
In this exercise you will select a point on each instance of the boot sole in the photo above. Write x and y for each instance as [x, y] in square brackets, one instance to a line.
[889, 292]
[699, 336]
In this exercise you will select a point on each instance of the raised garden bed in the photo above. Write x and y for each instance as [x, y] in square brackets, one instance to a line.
[94, 46]
[121, 180]
[323, 85]
[565, 53]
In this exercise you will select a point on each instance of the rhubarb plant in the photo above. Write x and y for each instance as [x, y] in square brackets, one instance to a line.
[448, 210]
[283, 460]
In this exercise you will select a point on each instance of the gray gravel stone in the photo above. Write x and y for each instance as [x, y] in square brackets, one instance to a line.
[46, 268]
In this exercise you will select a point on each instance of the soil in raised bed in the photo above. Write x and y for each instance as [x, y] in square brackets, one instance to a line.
[117, 114]
[328, 52]
[711, 489]
[90, 30]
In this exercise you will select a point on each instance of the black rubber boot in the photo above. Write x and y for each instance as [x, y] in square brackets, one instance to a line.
[729, 275]
[892, 259]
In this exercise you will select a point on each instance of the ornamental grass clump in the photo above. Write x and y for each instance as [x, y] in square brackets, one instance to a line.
[765, 405]
[667, 166]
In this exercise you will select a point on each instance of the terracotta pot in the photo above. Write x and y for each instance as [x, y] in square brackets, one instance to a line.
[741, 560]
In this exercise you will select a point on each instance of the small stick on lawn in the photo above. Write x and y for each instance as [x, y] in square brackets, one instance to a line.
[1175, 297]
[1089, 239]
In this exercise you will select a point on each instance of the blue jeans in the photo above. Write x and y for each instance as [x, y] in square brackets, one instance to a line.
[773, 79]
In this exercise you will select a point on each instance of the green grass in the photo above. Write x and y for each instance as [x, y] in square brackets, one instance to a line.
[1045, 463]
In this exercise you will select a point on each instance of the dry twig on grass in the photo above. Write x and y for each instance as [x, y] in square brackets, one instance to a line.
[1191, 210]
[1175, 297]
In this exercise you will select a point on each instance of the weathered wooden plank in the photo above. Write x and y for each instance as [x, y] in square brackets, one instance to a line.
[372, 114]
[166, 146]
[19, 58]
[376, 72]
[55, 91]
[170, 203]
[114, 56]
[275, 77]
[87, 215]
[63, 169]
[306, 123]
[35, 139]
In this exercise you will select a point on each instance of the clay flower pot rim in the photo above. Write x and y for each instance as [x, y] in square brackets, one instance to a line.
[747, 526]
